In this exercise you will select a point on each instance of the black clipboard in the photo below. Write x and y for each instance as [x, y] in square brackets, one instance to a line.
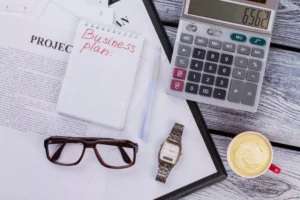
[221, 172]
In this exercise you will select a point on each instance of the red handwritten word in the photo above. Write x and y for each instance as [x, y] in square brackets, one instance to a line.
[89, 34]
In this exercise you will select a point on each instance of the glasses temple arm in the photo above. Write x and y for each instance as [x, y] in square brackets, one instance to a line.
[57, 154]
[125, 155]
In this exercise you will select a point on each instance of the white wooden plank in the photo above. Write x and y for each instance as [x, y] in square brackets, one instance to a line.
[269, 186]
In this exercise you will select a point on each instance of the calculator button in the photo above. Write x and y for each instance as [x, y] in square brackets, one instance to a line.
[179, 73]
[213, 56]
[214, 32]
[191, 88]
[201, 41]
[235, 91]
[191, 28]
[255, 65]
[229, 47]
[215, 44]
[205, 91]
[194, 77]
[238, 37]
[239, 73]
[243, 50]
[259, 53]
[199, 53]
[197, 65]
[185, 38]
[177, 85]
[181, 62]
[219, 94]
[224, 70]
[210, 68]
[241, 62]
[208, 79]
[226, 59]
[258, 41]
[253, 76]
[222, 82]
[184, 50]
[249, 94]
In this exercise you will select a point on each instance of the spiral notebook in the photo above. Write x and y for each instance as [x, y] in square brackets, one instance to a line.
[100, 75]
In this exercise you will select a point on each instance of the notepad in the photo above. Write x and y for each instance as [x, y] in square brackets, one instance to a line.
[100, 76]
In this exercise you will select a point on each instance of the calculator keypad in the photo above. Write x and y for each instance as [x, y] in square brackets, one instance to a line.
[197, 65]
[226, 59]
[245, 50]
[229, 47]
[182, 62]
[205, 91]
[199, 53]
[227, 70]
[224, 70]
[215, 44]
[219, 94]
[194, 77]
[210, 67]
[179, 73]
[191, 88]
[201, 41]
[184, 50]
[213, 56]
[241, 62]
[239, 73]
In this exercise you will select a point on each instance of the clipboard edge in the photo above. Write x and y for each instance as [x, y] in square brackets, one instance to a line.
[221, 173]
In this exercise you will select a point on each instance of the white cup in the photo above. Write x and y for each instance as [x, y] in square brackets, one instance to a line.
[270, 166]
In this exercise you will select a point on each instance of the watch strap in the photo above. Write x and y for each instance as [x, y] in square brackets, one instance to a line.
[163, 172]
[176, 133]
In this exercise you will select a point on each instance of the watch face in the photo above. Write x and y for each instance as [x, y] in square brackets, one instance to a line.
[169, 153]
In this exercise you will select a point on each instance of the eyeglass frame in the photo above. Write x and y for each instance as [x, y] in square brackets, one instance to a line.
[91, 143]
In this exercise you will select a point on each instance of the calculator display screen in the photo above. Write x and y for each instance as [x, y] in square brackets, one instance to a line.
[230, 12]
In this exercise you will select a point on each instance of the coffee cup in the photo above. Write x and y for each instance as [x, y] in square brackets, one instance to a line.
[250, 155]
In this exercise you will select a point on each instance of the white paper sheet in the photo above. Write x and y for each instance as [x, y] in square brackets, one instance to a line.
[26, 174]
[103, 93]
[139, 182]
[18, 6]
[62, 13]
[30, 80]
[98, 3]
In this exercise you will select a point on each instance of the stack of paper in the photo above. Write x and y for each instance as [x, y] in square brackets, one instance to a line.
[33, 61]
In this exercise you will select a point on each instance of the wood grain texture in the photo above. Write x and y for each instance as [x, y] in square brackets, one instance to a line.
[286, 29]
[270, 186]
[278, 115]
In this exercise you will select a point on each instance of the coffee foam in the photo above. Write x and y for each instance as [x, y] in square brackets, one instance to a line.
[250, 154]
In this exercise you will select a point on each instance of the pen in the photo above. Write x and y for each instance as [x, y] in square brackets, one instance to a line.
[147, 114]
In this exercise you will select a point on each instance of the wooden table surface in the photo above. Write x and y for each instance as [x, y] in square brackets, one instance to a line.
[278, 116]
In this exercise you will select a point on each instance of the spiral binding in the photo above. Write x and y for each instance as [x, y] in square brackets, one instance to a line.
[112, 30]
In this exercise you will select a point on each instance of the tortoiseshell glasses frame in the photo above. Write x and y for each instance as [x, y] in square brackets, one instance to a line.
[91, 143]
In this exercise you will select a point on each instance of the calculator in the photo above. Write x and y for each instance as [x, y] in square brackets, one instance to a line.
[221, 50]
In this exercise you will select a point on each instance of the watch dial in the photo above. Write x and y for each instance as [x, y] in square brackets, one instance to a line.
[169, 153]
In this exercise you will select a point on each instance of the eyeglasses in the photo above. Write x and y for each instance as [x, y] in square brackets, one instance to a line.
[111, 153]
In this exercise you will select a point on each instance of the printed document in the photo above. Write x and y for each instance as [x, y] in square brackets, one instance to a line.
[33, 61]
[62, 13]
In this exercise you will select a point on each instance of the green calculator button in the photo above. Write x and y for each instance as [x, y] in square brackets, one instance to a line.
[239, 37]
[258, 41]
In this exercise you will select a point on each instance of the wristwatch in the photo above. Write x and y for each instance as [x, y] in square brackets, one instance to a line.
[169, 153]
